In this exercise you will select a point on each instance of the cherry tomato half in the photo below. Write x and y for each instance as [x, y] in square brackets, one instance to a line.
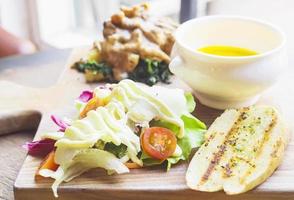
[158, 142]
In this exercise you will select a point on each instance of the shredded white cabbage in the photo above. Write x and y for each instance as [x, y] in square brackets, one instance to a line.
[128, 103]
[129, 93]
[82, 162]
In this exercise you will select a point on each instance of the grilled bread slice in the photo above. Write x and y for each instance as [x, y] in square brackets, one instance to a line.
[242, 149]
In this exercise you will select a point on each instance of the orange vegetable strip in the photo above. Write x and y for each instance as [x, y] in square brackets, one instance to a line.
[47, 163]
[132, 165]
[91, 105]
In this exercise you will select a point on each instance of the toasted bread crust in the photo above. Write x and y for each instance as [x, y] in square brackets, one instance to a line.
[242, 149]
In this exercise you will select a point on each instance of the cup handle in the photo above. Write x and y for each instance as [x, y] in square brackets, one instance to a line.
[174, 51]
[175, 65]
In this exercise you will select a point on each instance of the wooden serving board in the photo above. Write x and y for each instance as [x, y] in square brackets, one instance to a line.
[21, 108]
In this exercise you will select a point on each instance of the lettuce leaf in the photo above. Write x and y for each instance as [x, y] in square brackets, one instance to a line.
[193, 138]
[148, 161]
[194, 134]
[173, 160]
[160, 123]
[191, 104]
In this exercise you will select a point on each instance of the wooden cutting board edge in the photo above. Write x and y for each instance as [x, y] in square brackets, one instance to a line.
[21, 107]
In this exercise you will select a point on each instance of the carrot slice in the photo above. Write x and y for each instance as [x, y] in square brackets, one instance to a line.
[47, 163]
[132, 165]
[91, 105]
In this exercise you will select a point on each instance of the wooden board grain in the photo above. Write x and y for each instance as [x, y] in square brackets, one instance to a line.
[149, 183]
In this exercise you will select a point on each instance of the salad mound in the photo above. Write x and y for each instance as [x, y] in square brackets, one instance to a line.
[119, 127]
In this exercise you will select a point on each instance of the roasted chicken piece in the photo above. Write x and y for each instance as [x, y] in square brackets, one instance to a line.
[131, 35]
[135, 45]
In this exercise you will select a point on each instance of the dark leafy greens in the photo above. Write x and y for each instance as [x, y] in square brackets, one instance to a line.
[95, 68]
[119, 151]
[147, 71]
[150, 72]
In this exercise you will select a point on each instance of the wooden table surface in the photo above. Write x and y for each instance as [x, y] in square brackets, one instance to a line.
[38, 70]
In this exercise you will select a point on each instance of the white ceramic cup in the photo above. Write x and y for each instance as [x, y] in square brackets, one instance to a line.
[226, 81]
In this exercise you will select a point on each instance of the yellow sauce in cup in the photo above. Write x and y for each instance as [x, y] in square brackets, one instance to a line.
[220, 50]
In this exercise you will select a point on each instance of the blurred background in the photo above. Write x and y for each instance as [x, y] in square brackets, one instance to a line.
[70, 23]
[67, 23]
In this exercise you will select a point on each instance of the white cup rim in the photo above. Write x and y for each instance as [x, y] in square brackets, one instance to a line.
[258, 21]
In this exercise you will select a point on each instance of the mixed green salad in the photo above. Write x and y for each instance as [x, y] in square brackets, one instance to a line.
[119, 127]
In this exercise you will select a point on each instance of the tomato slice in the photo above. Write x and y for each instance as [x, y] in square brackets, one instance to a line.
[158, 142]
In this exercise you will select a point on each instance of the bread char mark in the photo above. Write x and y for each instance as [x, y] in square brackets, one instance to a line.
[218, 155]
[259, 149]
[230, 140]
